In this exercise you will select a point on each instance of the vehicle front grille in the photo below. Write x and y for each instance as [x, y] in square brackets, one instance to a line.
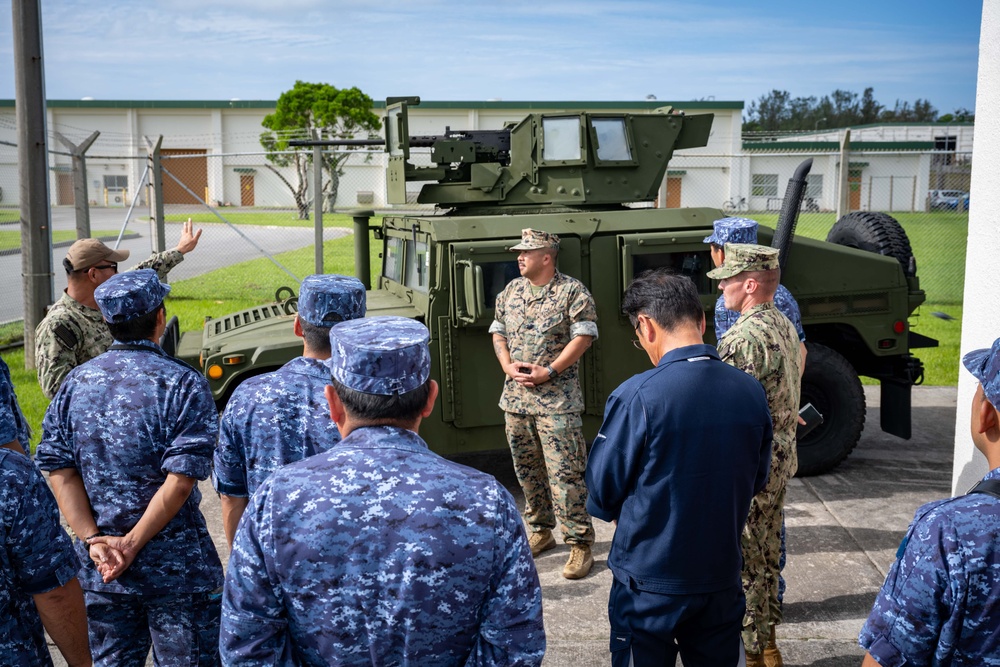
[243, 318]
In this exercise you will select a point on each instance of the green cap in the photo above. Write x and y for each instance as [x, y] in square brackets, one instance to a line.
[742, 257]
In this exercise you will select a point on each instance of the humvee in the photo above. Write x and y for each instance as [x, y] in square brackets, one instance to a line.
[580, 175]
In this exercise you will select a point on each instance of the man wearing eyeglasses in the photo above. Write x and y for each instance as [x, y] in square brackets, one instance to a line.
[683, 449]
[73, 332]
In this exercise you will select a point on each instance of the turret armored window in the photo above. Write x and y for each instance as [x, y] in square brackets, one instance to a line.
[612, 140]
[561, 138]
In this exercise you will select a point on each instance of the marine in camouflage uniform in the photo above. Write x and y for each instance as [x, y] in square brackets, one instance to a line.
[940, 603]
[378, 551]
[764, 344]
[280, 417]
[73, 331]
[37, 567]
[126, 438]
[544, 322]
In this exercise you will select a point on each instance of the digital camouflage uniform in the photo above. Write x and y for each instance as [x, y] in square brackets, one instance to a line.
[543, 423]
[123, 421]
[73, 333]
[36, 556]
[281, 417]
[764, 344]
[13, 425]
[940, 604]
[378, 551]
[783, 301]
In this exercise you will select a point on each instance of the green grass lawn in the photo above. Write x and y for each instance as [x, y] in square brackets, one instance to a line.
[11, 238]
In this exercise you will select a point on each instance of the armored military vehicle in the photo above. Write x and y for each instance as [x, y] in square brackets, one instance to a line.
[572, 174]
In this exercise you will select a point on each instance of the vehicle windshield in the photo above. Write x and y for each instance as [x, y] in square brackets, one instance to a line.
[407, 262]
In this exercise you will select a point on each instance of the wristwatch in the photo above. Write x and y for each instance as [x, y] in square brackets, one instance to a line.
[552, 372]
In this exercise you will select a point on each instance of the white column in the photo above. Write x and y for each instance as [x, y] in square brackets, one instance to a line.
[981, 314]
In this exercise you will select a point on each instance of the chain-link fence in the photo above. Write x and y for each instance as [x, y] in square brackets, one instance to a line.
[253, 205]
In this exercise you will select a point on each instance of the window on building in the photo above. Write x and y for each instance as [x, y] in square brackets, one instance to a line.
[764, 185]
[814, 186]
[115, 182]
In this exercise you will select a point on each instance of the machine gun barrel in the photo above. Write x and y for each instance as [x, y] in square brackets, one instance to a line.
[301, 143]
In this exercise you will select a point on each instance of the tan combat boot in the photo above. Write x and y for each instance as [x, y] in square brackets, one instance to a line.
[579, 563]
[755, 660]
[772, 656]
[541, 541]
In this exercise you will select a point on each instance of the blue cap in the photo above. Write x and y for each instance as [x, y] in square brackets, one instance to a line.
[985, 366]
[380, 355]
[733, 230]
[326, 299]
[126, 296]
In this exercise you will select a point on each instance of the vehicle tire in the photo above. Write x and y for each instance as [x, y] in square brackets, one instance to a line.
[875, 232]
[831, 384]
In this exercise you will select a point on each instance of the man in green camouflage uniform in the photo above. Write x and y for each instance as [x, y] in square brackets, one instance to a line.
[763, 343]
[73, 331]
[545, 321]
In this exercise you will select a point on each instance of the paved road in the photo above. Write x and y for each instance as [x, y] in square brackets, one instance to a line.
[843, 531]
[219, 245]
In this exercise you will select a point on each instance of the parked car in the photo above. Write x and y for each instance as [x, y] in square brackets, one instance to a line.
[948, 199]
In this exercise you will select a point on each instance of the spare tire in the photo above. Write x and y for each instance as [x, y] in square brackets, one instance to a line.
[875, 232]
[832, 385]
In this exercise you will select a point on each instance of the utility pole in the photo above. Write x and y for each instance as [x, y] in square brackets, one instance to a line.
[33, 169]
[80, 200]
[156, 193]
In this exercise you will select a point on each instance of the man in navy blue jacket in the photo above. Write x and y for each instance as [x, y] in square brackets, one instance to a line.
[683, 449]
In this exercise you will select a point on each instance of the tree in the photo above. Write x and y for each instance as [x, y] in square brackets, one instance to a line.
[778, 111]
[320, 111]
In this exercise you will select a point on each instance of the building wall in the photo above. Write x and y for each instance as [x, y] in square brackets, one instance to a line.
[981, 316]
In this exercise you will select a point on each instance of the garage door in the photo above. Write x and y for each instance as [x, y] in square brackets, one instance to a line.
[192, 170]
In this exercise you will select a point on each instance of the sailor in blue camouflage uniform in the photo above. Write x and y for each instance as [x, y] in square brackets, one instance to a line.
[281, 417]
[38, 583]
[378, 551]
[744, 230]
[14, 430]
[940, 603]
[126, 438]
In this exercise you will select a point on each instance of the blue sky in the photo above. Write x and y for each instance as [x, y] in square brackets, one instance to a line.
[471, 50]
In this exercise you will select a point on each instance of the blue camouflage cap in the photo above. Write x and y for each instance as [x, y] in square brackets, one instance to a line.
[733, 230]
[126, 296]
[985, 366]
[380, 355]
[326, 299]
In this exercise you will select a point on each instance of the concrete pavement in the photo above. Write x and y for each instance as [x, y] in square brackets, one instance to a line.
[843, 531]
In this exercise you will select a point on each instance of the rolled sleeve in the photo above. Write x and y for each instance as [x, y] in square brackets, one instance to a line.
[583, 329]
[55, 451]
[197, 431]
[498, 328]
[582, 314]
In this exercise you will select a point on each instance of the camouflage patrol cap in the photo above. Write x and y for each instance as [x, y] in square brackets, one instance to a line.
[326, 299]
[985, 366]
[733, 230]
[85, 253]
[126, 296]
[742, 257]
[380, 355]
[535, 239]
